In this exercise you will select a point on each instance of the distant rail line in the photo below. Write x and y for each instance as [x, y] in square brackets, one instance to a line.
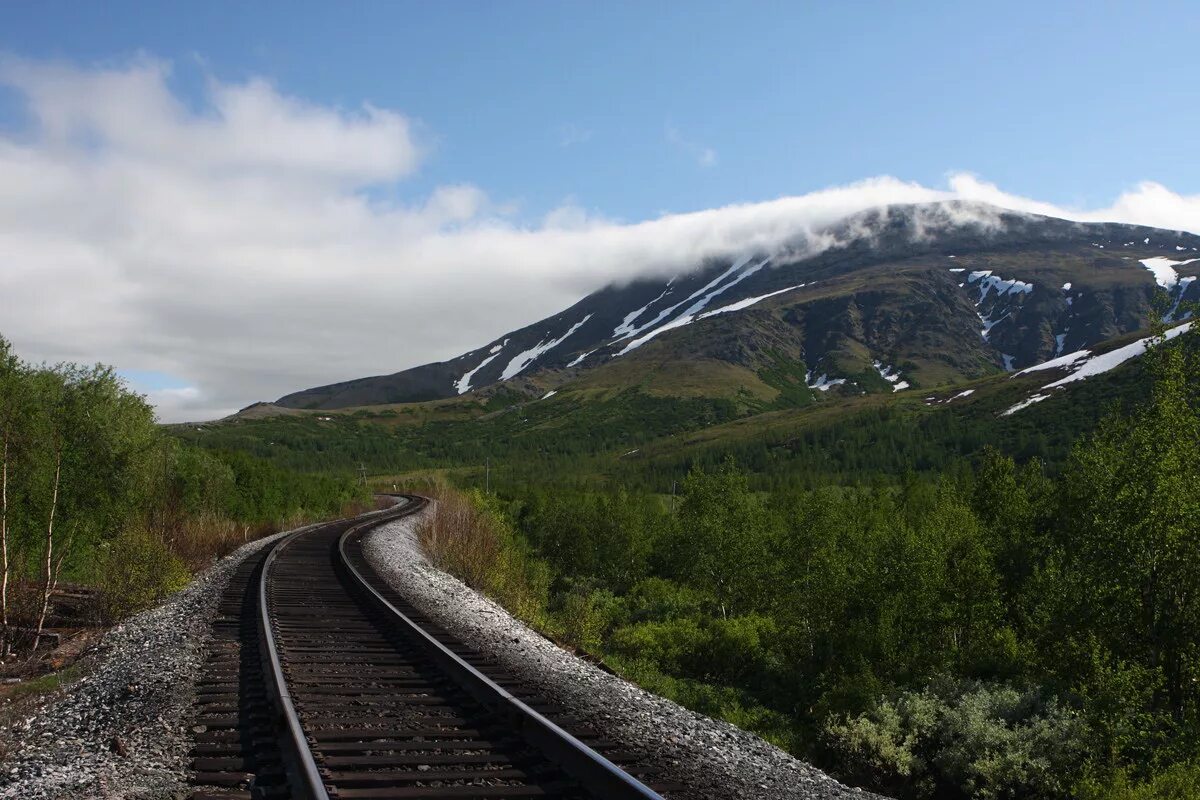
[322, 682]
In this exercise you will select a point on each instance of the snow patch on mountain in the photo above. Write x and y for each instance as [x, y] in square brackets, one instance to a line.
[627, 326]
[891, 375]
[1163, 270]
[1056, 363]
[741, 262]
[579, 358]
[1002, 286]
[523, 360]
[1184, 283]
[1026, 403]
[693, 311]
[749, 301]
[1005, 290]
[1084, 365]
[1099, 364]
[463, 384]
[822, 383]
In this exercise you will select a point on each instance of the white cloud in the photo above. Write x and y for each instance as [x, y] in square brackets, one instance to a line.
[233, 246]
[1148, 203]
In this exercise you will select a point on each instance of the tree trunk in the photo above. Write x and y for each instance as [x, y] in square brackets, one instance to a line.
[50, 572]
[4, 644]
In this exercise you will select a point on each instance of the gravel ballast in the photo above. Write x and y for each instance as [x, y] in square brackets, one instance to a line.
[123, 730]
[716, 760]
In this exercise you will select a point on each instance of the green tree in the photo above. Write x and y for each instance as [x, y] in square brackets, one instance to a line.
[1129, 535]
[723, 543]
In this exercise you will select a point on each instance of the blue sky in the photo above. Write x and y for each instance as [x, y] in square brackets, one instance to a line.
[614, 105]
[231, 201]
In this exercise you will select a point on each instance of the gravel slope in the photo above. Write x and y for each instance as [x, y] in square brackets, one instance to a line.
[719, 761]
[122, 731]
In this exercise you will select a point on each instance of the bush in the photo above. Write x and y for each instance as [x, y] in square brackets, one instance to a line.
[1180, 782]
[467, 535]
[975, 739]
[137, 570]
[670, 646]
[585, 618]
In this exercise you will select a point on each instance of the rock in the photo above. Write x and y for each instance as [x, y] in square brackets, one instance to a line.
[125, 730]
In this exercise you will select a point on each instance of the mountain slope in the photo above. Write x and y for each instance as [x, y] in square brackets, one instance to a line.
[913, 296]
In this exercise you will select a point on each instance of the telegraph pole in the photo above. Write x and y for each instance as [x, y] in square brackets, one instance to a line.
[362, 473]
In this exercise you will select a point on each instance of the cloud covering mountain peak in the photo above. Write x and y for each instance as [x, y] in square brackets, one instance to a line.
[236, 242]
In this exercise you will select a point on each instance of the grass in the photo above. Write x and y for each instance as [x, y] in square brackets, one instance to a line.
[43, 685]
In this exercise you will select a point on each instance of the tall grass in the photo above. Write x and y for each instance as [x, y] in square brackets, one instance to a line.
[466, 534]
[141, 566]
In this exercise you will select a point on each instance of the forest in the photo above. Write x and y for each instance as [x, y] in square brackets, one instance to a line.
[982, 624]
[94, 493]
[995, 630]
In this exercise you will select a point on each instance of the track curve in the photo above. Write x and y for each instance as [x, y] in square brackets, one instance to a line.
[368, 699]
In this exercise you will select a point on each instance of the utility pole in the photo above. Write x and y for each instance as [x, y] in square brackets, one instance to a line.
[362, 473]
[487, 475]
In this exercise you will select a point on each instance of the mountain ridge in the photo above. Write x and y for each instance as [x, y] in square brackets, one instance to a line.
[922, 295]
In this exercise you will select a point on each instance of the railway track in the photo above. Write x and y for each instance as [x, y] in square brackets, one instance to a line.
[322, 682]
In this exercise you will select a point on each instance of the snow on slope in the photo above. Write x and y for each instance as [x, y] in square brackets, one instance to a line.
[687, 319]
[579, 358]
[1164, 270]
[693, 310]
[822, 383]
[987, 283]
[1054, 363]
[463, 384]
[1026, 403]
[1096, 365]
[523, 360]
[1084, 365]
[1184, 283]
[741, 262]
[748, 301]
[891, 375]
[627, 326]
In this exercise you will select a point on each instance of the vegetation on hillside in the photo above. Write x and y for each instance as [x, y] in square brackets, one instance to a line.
[577, 440]
[992, 631]
[92, 492]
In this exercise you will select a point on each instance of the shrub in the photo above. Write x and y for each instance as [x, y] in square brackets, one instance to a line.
[1179, 782]
[670, 646]
[585, 617]
[137, 569]
[467, 535]
[975, 739]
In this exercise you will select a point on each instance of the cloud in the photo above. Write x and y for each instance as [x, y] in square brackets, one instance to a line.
[1148, 203]
[234, 243]
[704, 156]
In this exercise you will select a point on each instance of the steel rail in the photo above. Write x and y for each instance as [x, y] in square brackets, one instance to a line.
[307, 781]
[593, 771]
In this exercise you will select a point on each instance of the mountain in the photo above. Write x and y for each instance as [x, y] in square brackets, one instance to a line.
[902, 297]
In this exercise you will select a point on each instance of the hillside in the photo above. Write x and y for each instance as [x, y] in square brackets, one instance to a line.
[584, 436]
[913, 296]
